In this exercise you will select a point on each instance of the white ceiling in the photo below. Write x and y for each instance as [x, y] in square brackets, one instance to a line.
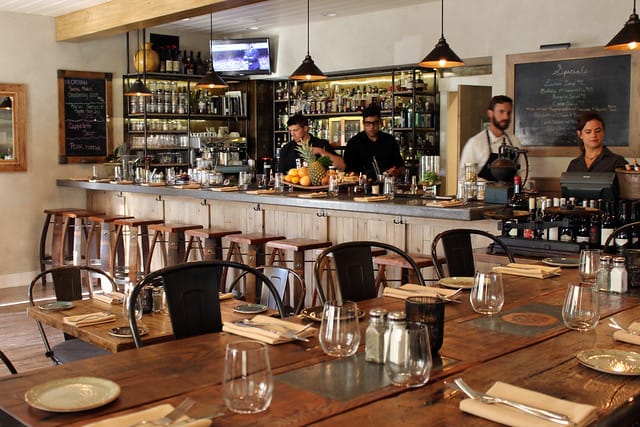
[265, 16]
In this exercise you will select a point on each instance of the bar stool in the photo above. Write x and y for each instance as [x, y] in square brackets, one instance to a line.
[172, 241]
[255, 254]
[138, 241]
[78, 221]
[393, 260]
[54, 216]
[211, 247]
[102, 234]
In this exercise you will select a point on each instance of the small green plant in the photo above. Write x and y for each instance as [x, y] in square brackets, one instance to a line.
[431, 178]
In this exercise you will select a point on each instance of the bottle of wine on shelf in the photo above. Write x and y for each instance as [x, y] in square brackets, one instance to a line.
[622, 238]
[607, 224]
[529, 232]
[517, 202]
[594, 228]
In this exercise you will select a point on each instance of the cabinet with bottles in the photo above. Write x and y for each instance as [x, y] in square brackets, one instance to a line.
[175, 122]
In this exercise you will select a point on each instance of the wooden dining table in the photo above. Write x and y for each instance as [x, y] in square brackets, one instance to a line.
[526, 345]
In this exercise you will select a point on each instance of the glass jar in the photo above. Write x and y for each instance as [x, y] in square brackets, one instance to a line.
[618, 275]
[603, 276]
[374, 336]
[393, 343]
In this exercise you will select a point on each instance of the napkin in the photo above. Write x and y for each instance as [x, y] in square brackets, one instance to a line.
[110, 298]
[147, 414]
[528, 270]
[579, 413]
[369, 199]
[223, 296]
[228, 188]
[314, 195]
[446, 203]
[88, 319]
[153, 184]
[410, 290]
[626, 336]
[269, 334]
[264, 191]
[191, 185]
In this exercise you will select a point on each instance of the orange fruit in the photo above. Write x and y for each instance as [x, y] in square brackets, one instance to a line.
[305, 180]
[287, 178]
[303, 171]
[295, 179]
[293, 172]
[325, 180]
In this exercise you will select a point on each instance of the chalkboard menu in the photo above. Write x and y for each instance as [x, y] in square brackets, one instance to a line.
[551, 90]
[85, 111]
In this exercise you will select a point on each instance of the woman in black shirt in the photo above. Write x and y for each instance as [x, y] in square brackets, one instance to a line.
[595, 157]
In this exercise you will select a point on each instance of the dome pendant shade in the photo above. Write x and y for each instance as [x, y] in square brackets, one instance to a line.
[211, 80]
[441, 57]
[138, 89]
[629, 36]
[307, 71]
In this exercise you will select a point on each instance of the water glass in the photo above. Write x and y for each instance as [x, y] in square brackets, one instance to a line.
[389, 187]
[429, 311]
[487, 294]
[589, 263]
[261, 180]
[247, 386]
[278, 182]
[243, 180]
[127, 302]
[580, 310]
[333, 189]
[339, 331]
[408, 362]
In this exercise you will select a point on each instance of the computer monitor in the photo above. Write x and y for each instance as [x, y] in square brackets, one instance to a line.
[589, 185]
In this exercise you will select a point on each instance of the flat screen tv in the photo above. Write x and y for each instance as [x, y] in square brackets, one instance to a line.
[236, 57]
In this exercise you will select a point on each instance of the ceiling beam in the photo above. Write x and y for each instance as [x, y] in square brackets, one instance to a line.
[119, 16]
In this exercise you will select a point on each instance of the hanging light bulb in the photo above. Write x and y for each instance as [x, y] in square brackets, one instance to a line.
[6, 104]
[211, 80]
[442, 56]
[138, 88]
[308, 69]
[629, 36]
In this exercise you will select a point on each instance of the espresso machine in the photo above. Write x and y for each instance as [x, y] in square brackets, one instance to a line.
[504, 168]
[227, 155]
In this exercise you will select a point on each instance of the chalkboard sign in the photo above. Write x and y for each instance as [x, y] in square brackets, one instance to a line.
[551, 89]
[85, 112]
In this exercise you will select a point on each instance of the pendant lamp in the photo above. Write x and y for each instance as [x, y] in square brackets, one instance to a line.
[441, 56]
[6, 104]
[138, 88]
[211, 79]
[308, 69]
[629, 36]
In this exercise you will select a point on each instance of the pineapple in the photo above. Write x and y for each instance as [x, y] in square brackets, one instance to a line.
[317, 167]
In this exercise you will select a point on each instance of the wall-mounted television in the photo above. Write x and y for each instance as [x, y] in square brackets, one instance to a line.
[235, 57]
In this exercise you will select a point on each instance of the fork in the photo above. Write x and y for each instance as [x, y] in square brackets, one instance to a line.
[555, 417]
[615, 325]
[171, 417]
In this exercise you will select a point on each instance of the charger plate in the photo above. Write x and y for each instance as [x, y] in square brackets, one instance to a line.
[611, 361]
[72, 394]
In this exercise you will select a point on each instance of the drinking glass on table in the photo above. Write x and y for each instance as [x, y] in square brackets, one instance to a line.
[408, 360]
[247, 386]
[244, 179]
[589, 263]
[339, 331]
[487, 294]
[580, 310]
[127, 302]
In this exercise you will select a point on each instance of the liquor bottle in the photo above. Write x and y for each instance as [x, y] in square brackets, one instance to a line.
[529, 232]
[582, 233]
[517, 202]
[622, 238]
[185, 61]
[189, 67]
[176, 60]
[546, 216]
[180, 63]
[634, 217]
[607, 224]
[163, 59]
[168, 59]
[594, 230]
[200, 67]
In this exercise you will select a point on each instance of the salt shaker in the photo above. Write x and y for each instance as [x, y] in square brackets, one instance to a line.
[374, 347]
[618, 275]
[394, 337]
[603, 276]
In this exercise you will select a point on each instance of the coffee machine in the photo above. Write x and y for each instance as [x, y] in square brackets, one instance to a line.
[503, 169]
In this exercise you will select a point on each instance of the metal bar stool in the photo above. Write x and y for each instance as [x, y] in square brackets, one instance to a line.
[78, 221]
[211, 247]
[53, 216]
[138, 241]
[172, 242]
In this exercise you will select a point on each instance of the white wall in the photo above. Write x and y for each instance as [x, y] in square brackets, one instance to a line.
[474, 28]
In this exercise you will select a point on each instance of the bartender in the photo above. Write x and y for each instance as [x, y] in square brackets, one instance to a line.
[483, 148]
[595, 156]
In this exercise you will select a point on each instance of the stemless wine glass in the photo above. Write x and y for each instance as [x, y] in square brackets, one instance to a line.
[589, 263]
[487, 294]
[248, 383]
[127, 302]
[408, 360]
[339, 331]
[580, 310]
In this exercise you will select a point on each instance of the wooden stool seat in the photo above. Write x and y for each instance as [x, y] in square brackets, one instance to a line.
[138, 230]
[53, 216]
[211, 248]
[172, 241]
[105, 240]
[394, 260]
[79, 220]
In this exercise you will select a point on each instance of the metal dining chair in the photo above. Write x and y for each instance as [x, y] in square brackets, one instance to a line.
[70, 283]
[608, 248]
[191, 291]
[8, 363]
[349, 271]
[458, 251]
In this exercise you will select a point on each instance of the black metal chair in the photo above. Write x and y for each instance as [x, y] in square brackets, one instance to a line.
[191, 291]
[350, 272]
[458, 251]
[607, 248]
[70, 283]
[8, 363]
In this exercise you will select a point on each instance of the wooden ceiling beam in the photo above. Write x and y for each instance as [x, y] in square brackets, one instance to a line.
[119, 16]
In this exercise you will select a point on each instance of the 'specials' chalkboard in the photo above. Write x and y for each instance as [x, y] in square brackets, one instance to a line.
[549, 97]
[85, 117]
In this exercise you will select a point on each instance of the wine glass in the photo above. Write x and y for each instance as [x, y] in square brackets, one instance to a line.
[487, 294]
[248, 383]
[127, 302]
[580, 310]
[339, 331]
[408, 360]
[589, 264]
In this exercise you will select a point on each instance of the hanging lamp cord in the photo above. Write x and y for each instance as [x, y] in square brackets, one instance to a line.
[442, 18]
[308, 27]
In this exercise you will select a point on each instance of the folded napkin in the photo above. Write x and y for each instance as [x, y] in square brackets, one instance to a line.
[270, 333]
[122, 181]
[445, 203]
[228, 188]
[410, 290]
[100, 180]
[189, 186]
[369, 199]
[110, 298]
[264, 191]
[223, 296]
[626, 336]
[147, 414]
[88, 319]
[528, 270]
[153, 184]
[314, 195]
[579, 413]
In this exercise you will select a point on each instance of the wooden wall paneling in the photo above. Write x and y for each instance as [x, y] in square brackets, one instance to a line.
[183, 210]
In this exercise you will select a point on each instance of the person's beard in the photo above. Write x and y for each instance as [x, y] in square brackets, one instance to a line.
[500, 125]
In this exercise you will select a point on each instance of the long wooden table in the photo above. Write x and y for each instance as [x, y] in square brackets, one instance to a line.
[481, 349]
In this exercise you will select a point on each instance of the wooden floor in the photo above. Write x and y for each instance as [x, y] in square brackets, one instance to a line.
[19, 337]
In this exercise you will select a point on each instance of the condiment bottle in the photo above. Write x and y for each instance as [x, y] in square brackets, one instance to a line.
[394, 337]
[618, 275]
[603, 276]
[374, 347]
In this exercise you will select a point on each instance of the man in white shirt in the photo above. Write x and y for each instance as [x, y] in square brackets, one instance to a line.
[483, 147]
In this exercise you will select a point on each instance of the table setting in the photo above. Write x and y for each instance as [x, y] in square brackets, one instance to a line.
[270, 330]
[89, 319]
[412, 290]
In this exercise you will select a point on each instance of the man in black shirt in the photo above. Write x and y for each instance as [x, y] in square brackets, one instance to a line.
[372, 146]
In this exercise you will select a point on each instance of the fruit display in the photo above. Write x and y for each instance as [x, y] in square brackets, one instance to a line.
[313, 175]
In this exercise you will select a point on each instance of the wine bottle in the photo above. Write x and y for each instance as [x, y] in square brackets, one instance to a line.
[529, 232]
[594, 230]
[163, 59]
[517, 202]
[180, 63]
[200, 67]
[634, 217]
[582, 233]
[622, 238]
[607, 224]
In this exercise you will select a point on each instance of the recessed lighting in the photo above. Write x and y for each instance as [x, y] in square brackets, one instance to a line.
[253, 28]
[330, 14]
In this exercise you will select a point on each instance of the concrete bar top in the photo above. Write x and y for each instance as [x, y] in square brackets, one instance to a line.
[400, 205]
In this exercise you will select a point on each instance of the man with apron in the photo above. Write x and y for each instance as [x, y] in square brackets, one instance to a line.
[483, 148]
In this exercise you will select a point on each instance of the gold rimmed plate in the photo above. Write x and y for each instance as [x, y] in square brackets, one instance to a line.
[611, 361]
[72, 394]
[457, 282]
